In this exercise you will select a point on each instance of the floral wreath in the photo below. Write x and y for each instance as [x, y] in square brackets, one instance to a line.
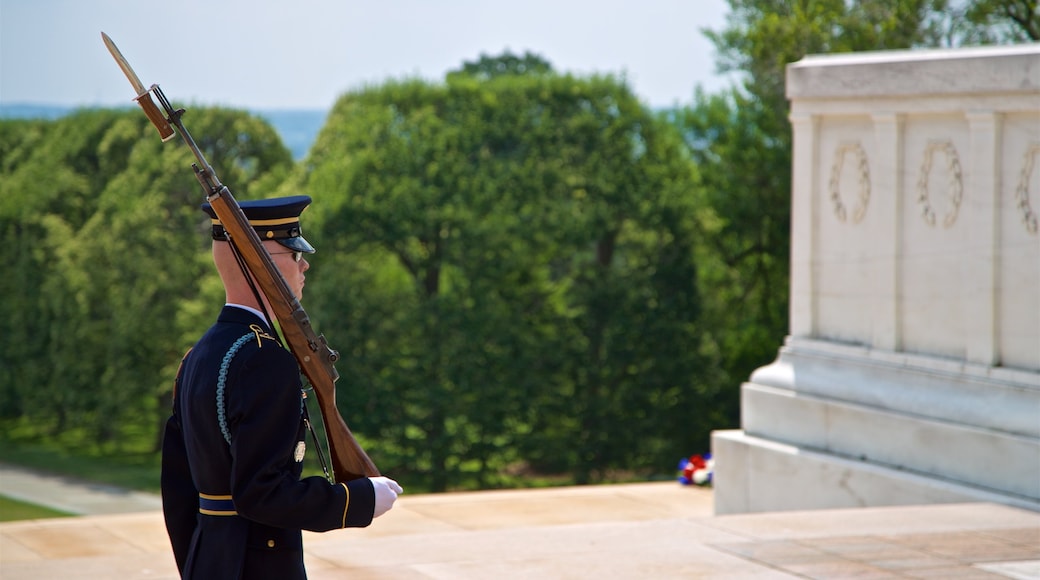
[697, 470]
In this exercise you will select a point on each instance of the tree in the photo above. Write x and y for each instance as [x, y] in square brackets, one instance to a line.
[991, 21]
[488, 67]
[741, 141]
[45, 195]
[744, 268]
[512, 274]
[111, 263]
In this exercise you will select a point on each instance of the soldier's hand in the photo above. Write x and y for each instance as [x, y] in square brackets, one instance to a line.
[387, 491]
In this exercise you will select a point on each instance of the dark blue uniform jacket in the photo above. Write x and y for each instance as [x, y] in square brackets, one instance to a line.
[253, 502]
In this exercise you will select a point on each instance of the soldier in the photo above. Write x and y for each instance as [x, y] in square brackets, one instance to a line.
[233, 499]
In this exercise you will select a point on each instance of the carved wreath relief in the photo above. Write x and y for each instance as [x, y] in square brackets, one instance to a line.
[1029, 218]
[859, 157]
[954, 182]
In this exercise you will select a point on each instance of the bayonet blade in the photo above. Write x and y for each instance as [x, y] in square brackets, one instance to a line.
[143, 98]
[121, 61]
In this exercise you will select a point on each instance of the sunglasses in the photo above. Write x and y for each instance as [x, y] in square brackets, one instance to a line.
[296, 256]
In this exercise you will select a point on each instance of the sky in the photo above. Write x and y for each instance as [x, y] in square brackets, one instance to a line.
[304, 54]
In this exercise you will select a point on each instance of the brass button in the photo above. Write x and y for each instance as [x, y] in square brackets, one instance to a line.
[270, 543]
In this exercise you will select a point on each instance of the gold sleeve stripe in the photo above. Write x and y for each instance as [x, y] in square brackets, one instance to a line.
[346, 504]
[216, 505]
[210, 496]
[218, 512]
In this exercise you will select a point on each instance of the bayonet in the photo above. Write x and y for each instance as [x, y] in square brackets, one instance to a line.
[144, 96]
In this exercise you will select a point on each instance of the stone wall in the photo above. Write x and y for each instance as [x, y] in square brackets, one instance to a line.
[911, 373]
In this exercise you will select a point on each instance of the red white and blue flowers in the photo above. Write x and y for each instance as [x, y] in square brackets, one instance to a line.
[696, 470]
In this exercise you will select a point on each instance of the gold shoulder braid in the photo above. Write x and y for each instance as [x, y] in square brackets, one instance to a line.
[260, 333]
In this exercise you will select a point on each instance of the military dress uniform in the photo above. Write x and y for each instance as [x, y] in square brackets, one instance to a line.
[233, 499]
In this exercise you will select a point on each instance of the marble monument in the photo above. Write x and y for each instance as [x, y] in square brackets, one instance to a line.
[911, 372]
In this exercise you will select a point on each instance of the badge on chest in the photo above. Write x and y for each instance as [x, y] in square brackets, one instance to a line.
[301, 449]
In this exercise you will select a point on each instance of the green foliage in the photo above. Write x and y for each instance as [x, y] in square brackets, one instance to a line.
[510, 277]
[488, 67]
[107, 248]
[746, 173]
[991, 21]
[740, 139]
[763, 36]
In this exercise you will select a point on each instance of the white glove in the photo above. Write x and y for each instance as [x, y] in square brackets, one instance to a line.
[386, 493]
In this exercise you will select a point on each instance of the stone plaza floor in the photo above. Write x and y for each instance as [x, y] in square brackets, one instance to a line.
[646, 530]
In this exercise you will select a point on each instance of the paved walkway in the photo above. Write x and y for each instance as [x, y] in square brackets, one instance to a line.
[651, 530]
[71, 495]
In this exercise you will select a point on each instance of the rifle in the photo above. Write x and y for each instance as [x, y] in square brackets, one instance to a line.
[312, 352]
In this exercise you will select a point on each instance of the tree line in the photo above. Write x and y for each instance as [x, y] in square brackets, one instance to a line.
[526, 273]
